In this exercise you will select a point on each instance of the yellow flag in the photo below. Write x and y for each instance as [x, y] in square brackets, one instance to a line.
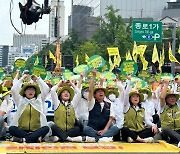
[135, 52]
[155, 57]
[161, 61]
[171, 57]
[111, 64]
[144, 62]
[36, 61]
[179, 49]
[113, 51]
[141, 49]
[117, 60]
[77, 60]
[128, 56]
[52, 56]
[86, 58]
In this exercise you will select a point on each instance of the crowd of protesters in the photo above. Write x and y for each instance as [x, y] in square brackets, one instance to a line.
[89, 111]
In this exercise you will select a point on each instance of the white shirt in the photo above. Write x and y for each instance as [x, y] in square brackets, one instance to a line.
[82, 108]
[149, 106]
[11, 114]
[22, 102]
[7, 104]
[118, 111]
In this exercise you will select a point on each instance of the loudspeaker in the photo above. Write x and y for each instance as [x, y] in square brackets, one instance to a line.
[166, 69]
[67, 62]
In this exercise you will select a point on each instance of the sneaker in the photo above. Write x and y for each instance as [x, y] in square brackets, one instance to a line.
[130, 140]
[76, 139]
[105, 139]
[160, 130]
[179, 145]
[39, 140]
[17, 139]
[149, 140]
[90, 139]
[54, 138]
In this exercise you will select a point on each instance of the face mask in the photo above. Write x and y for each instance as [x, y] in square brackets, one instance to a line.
[85, 95]
[145, 97]
[112, 97]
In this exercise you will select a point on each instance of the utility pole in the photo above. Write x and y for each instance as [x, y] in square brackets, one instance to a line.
[172, 27]
[57, 70]
[72, 14]
[141, 12]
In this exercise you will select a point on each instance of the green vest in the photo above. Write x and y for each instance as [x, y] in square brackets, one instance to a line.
[134, 120]
[1, 101]
[171, 117]
[64, 117]
[29, 119]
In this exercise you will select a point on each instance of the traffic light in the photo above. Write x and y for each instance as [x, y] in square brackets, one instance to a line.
[55, 26]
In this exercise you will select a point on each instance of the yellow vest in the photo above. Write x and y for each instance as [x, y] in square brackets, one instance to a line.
[134, 120]
[171, 117]
[64, 117]
[29, 119]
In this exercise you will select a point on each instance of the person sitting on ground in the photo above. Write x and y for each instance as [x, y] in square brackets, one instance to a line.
[5, 108]
[101, 115]
[81, 107]
[29, 123]
[66, 127]
[116, 96]
[170, 114]
[150, 106]
[136, 119]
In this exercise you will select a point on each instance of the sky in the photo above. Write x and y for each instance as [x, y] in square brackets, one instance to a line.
[41, 27]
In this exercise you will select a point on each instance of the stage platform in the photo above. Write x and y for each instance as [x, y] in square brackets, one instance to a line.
[112, 147]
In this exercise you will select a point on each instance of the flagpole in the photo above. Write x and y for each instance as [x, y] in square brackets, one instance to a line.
[173, 47]
[57, 70]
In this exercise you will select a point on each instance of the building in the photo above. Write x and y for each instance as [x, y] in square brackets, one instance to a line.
[12, 54]
[171, 13]
[53, 20]
[135, 8]
[78, 14]
[139, 9]
[83, 22]
[4, 49]
[39, 40]
[127, 8]
[89, 26]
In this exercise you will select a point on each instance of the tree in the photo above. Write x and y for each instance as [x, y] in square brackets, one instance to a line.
[113, 33]
[71, 43]
[90, 48]
[44, 52]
